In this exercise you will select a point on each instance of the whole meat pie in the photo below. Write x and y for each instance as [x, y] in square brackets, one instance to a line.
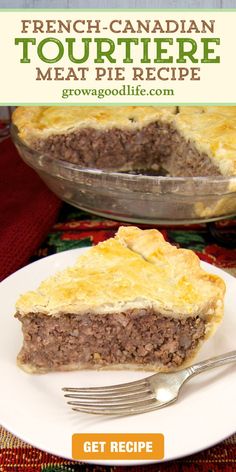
[179, 141]
[131, 302]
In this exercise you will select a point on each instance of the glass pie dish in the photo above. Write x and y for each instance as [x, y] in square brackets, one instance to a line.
[135, 198]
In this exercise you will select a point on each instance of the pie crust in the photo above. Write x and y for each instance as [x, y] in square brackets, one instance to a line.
[128, 295]
[182, 140]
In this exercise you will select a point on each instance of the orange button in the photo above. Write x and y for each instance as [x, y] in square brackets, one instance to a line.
[118, 446]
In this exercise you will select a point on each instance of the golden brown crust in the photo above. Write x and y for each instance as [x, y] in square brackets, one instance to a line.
[137, 269]
[41, 122]
[211, 129]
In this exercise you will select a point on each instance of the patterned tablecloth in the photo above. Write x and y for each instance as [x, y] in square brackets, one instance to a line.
[213, 243]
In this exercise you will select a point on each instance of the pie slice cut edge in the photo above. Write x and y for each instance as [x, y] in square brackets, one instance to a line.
[132, 302]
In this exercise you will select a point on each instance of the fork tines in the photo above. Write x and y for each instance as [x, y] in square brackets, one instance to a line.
[121, 399]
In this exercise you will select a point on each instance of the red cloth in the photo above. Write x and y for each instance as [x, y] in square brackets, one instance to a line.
[28, 209]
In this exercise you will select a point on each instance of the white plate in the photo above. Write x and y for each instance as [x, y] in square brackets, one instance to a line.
[33, 407]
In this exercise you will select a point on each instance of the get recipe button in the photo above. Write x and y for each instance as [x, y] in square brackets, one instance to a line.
[117, 446]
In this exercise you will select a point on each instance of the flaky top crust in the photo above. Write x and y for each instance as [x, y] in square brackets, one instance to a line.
[41, 122]
[136, 269]
[211, 129]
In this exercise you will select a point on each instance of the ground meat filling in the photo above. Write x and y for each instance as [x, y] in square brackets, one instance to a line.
[157, 146]
[186, 160]
[113, 149]
[134, 337]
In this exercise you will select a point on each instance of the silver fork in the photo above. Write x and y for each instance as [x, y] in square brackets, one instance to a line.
[141, 396]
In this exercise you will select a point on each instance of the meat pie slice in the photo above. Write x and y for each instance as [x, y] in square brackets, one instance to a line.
[131, 302]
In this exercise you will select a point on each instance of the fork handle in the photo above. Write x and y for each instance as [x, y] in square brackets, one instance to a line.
[212, 363]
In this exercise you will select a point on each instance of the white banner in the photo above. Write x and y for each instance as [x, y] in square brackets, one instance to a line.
[117, 57]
